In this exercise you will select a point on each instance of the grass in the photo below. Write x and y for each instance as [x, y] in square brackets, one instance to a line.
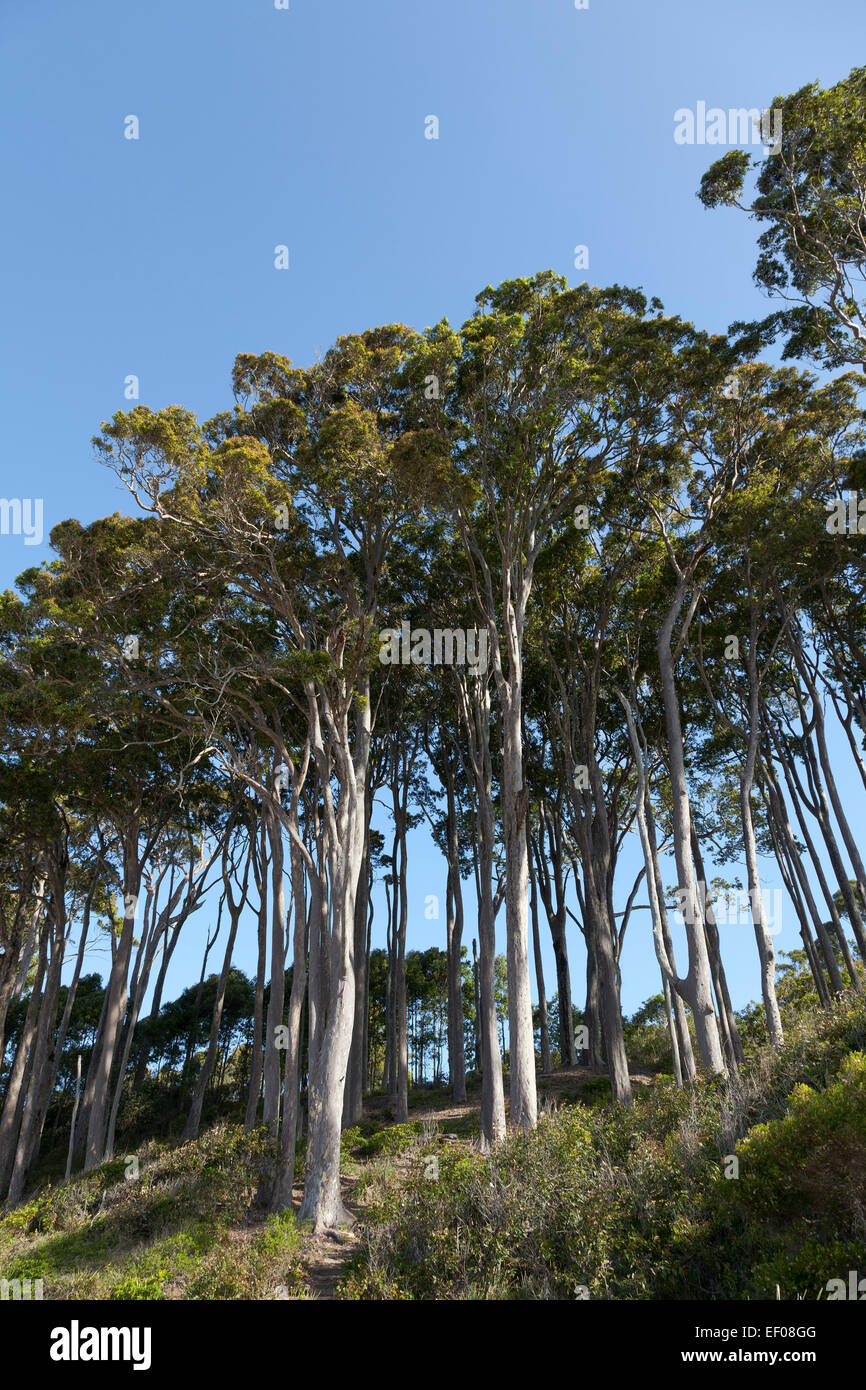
[727, 1191]
[647, 1203]
[181, 1229]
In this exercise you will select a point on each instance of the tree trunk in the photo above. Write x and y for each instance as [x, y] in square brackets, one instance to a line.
[697, 984]
[546, 1060]
[257, 1056]
[114, 1005]
[523, 1108]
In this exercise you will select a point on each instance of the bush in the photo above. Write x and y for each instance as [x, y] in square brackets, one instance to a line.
[635, 1203]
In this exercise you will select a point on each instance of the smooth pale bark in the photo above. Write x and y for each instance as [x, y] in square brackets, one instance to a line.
[523, 1098]
[475, 710]
[766, 950]
[18, 955]
[826, 767]
[592, 1012]
[789, 878]
[322, 1202]
[19, 1076]
[353, 1100]
[368, 1082]
[114, 1003]
[138, 990]
[285, 1175]
[30, 944]
[855, 710]
[277, 1173]
[476, 985]
[510, 607]
[544, 1032]
[787, 850]
[672, 1033]
[44, 1044]
[697, 985]
[600, 931]
[317, 989]
[170, 938]
[687, 1055]
[727, 1018]
[68, 1173]
[260, 870]
[193, 1121]
[822, 813]
[820, 809]
[660, 927]
[68, 1007]
[453, 945]
[814, 964]
[551, 884]
[389, 1070]
[276, 1002]
[576, 719]
[593, 833]
[794, 791]
[492, 1125]
[399, 800]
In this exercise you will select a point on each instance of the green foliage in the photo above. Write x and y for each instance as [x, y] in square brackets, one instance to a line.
[635, 1204]
[181, 1230]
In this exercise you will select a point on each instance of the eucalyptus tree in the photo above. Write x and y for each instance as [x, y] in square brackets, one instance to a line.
[297, 495]
[810, 192]
[473, 690]
[543, 390]
[234, 845]
[451, 829]
[548, 867]
[22, 886]
[784, 430]
[447, 698]
[592, 762]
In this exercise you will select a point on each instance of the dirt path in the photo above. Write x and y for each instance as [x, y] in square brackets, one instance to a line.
[326, 1256]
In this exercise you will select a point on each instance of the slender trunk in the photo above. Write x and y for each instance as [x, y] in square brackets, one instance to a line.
[114, 1005]
[476, 985]
[193, 1121]
[260, 869]
[766, 951]
[672, 1033]
[43, 1050]
[21, 1072]
[592, 1012]
[779, 816]
[322, 1202]
[353, 1103]
[72, 1121]
[523, 1110]
[697, 985]
[454, 952]
[276, 1002]
[546, 1060]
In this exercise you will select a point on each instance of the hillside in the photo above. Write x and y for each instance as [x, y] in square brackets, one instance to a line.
[597, 1202]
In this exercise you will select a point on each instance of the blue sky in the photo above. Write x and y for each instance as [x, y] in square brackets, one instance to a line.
[306, 127]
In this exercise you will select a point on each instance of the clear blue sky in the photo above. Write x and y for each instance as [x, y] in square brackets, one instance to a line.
[306, 127]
